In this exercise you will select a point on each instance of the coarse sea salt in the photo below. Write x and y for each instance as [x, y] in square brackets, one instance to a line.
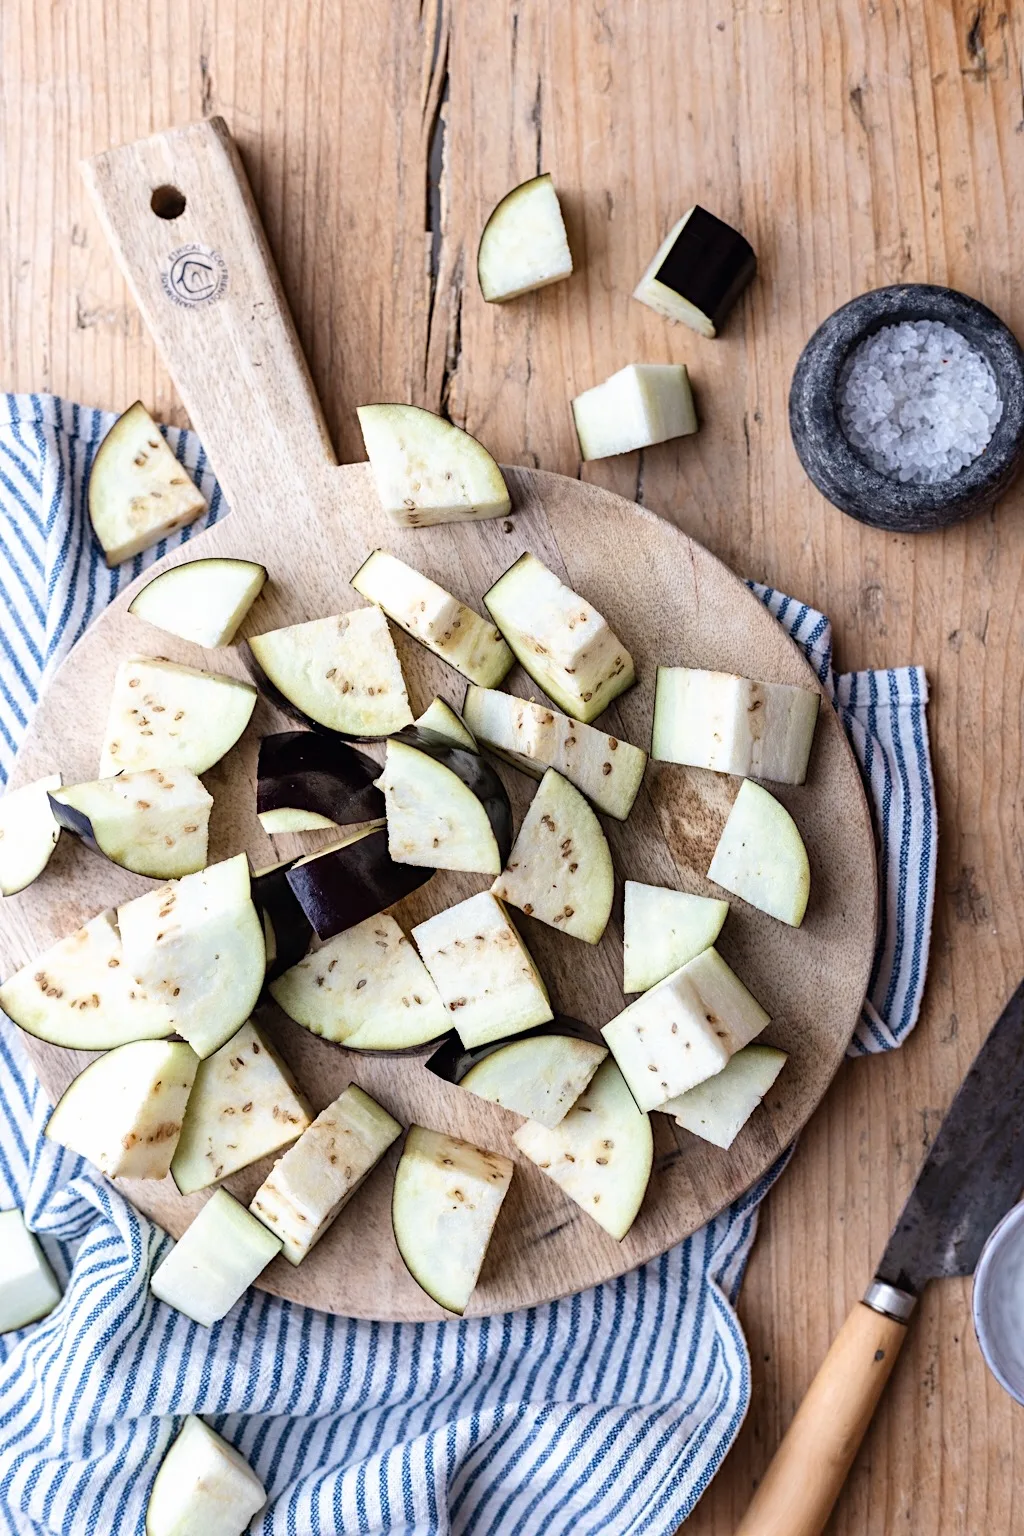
[918, 402]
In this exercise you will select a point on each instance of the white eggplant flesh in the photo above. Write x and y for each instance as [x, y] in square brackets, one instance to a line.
[435, 618]
[524, 245]
[341, 672]
[447, 723]
[761, 856]
[291, 819]
[125, 1111]
[244, 1105]
[434, 819]
[663, 930]
[560, 868]
[138, 492]
[540, 1078]
[642, 404]
[483, 971]
[203, 601]
[445, 1204]
[717, 1110]
[600, 1154]
[28, 834]
[166, 716]
[367, 989]
[316, 1178]
[429, 471]
[28, 1289]
[196, 945]
[215, 1260]
[203, 1486]
[154, 822]
[564, 644]
[733, 725]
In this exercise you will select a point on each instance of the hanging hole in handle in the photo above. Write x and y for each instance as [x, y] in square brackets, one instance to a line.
[167, 203]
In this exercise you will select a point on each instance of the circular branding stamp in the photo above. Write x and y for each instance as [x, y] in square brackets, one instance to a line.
[194, 274]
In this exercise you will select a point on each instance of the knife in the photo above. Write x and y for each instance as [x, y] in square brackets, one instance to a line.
[972, 1175]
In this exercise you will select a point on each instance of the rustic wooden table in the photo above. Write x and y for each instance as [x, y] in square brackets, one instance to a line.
[855, 144]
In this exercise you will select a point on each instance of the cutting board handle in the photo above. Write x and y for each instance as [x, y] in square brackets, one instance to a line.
[180, 215]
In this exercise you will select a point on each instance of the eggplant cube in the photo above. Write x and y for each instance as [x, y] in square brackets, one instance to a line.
[436, 819]
[483, 971]
[642, 404]
[215, 1260]
[203, 601]
[524, 245]
[154, 822]
[125, 1111]
[243, 1106]
[429, 471]
[540, 1077]
[203, 1485]
[351, 880]
[28, 834]
[340, 672]
[560, 868]
[761, 856]
[317, 1177]
[166, 716]
[717, 1110]
[732, 725]
[663, 930]
[698, 272]
[28, 1290]
[138, 492]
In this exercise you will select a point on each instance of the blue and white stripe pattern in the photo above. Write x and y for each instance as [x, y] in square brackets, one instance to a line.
[608, 1412]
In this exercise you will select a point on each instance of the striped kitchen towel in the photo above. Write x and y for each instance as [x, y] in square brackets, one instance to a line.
[608, 1412]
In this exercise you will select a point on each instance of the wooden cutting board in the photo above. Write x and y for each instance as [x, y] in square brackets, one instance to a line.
[207, 288]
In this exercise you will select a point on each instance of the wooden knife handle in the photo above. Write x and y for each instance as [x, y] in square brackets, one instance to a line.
[809, 1468]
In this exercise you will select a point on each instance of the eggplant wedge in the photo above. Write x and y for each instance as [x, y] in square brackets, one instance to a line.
[215, 1261]
[341, 674]
[435, 618]
[125, 1111]
[353, 879]
[485, 974]
[733, 725]
[203, 1485]
[761, 856]
[306, 780]
[429, 471]
[560, 868]
[442, 720]
[203, 601]
[446, 808]
[566, 646]
[539, 1074]
[642, 404]
[316, 1178]
[244, 1105]
[154, 822]
[138, 492]
[698, 272]
[600, 1154]
[28, 1289]
[166, 716]
[28, 834]
[81, 994]
[287, 931]
[718, 1109]
[366, 989]
[196, 945]
[663, 930]
[524, 245]
[446, 1201]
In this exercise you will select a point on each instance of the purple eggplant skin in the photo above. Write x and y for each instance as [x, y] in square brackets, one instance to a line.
[451, 1061]
[342, 886]
[276, 901]
[475, 773]
[709, 265]
[77, 822]
[311, 771]
[273, 695]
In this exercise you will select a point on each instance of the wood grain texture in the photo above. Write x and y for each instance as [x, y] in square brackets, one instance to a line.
[856, 144]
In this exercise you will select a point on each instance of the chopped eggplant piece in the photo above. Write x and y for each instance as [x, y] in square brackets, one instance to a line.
[600, 1154]
[203, 1485]
[717, 1110]
[138, 492]
[340, 673]
[215, 1260]
[353, 879]
[564, 644]
[524, 245]
[124, 1112]
[435, 618]
[761, 856]
[446, 1201]
[446, 808]
[81, 994]
[311, 1184]
[366, 989]
[166, 716]
[442, 720]
[663, 930]
[306, 780]
[28, 834]
[28, 1290]
[243, 1106]
[483, 970]
[202, 600]
[732, 725]
[560, 868]
[683, 1030]
[539, 1075]
[698, 272]
[196, 945]
[533, 737]
[428, 471]
[154, 822]
[287, 931]
[642, 404]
